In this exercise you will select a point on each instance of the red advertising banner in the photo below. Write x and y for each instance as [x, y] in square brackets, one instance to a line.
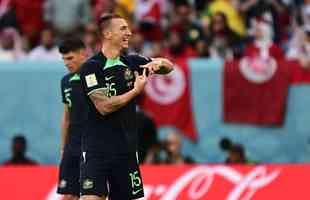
[196, 182]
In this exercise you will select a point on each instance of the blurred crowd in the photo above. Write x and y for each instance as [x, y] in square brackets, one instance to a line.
[225, 29]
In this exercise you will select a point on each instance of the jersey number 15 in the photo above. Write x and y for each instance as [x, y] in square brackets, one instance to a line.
[110, 89]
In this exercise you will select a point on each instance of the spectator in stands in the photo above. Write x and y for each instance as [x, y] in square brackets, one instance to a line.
[236, 152]
[19, 148]
[29, 15]
[202, 49]
[155, 50]
[47, 50]
[223, 41]
[10, 45]
[7, 15]
[184, 22]
[177, 48]
[173, 147]
[90, 39]
[102, 6]
[136, 43]
[67, 17]
[231, 12]
[305, 12]
[262, 33]
[299, 48]
[236, 155]
[148, 16]
[124, 8]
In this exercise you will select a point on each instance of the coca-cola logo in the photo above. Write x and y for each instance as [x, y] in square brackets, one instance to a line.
[197, 182]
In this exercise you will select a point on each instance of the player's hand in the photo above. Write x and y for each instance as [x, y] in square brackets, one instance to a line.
[140, 81]
[153, 66]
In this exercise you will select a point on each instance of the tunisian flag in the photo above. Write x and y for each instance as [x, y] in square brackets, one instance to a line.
[168, 100]
[255, 91]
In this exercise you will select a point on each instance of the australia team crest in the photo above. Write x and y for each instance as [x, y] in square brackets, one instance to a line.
[128, 74]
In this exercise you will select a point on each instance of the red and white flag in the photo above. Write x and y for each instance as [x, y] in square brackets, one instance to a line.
[255, 91]
[168, 99]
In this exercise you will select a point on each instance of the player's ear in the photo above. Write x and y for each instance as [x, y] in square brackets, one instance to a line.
[107, 34]
[83, 52]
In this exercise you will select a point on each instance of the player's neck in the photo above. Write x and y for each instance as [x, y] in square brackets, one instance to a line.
[111, 52]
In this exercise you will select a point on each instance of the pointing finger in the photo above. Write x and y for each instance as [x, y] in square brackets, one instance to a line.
[136, 74]
[144, 72]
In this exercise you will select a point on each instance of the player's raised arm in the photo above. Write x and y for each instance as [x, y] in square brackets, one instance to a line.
[159, 66]
[106, 105]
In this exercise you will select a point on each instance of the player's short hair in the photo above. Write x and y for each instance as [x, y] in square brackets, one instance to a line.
[71, 45]
[105, 20]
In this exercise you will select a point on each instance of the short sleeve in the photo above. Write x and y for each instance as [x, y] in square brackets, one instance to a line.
[62, 86]
[136, 60]
[90, 74]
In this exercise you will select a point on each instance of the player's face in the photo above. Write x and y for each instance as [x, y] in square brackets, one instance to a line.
[120, 32]
[74, 60]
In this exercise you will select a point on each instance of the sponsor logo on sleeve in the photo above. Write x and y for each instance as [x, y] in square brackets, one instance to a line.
[91, 80]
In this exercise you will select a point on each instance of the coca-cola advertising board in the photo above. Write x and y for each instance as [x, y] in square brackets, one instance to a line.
[184, 182]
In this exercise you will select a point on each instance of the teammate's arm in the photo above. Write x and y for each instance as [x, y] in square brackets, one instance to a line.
[159, 66]
[106, 105]
[65, 121]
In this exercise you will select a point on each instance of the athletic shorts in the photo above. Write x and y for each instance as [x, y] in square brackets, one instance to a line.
[69, 174]
[115, 176]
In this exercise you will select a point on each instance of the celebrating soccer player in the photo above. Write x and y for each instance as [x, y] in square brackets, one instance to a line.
[111, 80]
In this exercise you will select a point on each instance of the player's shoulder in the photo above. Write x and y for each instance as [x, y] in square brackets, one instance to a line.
[136, 56]
[66, 78]
[135, 59]
[93, 63]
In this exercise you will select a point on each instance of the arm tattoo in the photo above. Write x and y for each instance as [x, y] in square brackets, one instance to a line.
[99, 95]
[104, 103]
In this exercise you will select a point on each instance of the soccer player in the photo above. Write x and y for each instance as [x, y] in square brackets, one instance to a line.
[74, 55]
[111, 80]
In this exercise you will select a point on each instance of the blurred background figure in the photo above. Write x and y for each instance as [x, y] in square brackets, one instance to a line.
[235, 152]
[183, 21]
[147, 14]
[222, 40]
[7, 15]
[177, 48]
[167, 151]
[262, 35]
[136, 43]
[305, 12]
[19, 148]
[10, 45]
[124, 8]
[90, 39]
[173, 147]
[29, 16]
[299, 48]
[67, 17]
[46, 50]
[230, 10]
